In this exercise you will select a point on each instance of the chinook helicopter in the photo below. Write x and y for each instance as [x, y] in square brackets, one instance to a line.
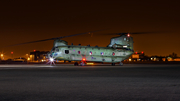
[119, 49]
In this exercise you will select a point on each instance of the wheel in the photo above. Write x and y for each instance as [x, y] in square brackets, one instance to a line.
[82, 63]
[76, 64]
[121, 64]
[113, 64]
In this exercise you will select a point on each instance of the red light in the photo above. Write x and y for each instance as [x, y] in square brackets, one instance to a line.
[84, 59]
[34, 50]
[142, 52]
[128, 35]
[113, 53]
[11, 52]
[136, 52]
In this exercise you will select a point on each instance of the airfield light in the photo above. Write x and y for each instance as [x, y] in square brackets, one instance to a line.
[1, 55]
[34, 50]
[128, 35]
[124, 46]
[142, 52]
[11, 52]
[136, 52]
[90, 63]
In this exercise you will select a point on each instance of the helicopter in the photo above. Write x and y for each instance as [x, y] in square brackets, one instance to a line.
[119, 49]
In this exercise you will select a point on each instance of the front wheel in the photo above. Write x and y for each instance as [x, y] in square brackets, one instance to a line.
[121, 64]
[82, 64]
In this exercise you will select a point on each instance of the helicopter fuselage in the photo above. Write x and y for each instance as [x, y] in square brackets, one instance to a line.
[88, 53]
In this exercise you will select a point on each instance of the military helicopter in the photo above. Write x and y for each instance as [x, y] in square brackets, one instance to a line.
[119, 49]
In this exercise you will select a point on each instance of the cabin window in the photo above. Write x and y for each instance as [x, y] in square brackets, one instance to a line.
[90, 53]
[102, 53]
[57, 50]
[66, 51]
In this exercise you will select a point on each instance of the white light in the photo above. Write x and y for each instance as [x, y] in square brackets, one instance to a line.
[125, 46]
[51, 59]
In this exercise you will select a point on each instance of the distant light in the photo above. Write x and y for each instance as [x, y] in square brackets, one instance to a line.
[129, 59]
[28, 58]
[128, 35]
[11, 52]
[142, 52]
[51, 59]
[124, 46]
[90, 63]
[34, 50]
[2, 55]
[136, 52]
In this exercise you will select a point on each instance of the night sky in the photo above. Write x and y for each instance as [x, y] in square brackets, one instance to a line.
[23, 21]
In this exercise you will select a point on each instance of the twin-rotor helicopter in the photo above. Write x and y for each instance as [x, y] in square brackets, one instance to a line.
[119, 49]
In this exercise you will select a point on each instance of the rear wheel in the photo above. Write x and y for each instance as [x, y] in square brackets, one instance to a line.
[113, 64]
[76, 64]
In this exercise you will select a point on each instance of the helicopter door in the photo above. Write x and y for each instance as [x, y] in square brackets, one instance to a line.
[67, 55]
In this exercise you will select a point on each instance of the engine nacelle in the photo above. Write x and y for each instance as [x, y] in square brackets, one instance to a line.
[122, 41]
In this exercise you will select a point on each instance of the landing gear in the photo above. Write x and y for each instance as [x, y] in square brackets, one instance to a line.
[82, 64]
[76, 64]
[113, 64]
[121, 64]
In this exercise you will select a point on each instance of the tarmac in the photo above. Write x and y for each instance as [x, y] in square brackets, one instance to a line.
[102, 82]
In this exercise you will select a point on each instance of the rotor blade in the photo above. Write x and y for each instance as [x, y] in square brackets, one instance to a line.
[129, 33]
[52, 38]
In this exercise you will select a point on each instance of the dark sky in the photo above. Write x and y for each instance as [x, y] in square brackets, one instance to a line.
[23, 21]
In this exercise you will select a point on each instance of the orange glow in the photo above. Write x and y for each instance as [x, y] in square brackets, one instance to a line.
[84, 59]
[11, 52]
[34, 50]
[90, 63]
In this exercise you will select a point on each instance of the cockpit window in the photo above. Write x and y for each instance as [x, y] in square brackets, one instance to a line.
[66, 51]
